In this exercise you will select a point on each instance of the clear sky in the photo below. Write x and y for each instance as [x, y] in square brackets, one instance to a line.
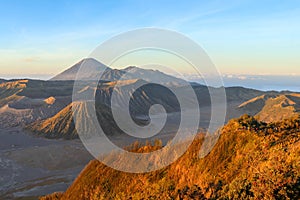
[42, 38]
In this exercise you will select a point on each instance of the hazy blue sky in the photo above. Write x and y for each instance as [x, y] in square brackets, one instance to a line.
[242, 37]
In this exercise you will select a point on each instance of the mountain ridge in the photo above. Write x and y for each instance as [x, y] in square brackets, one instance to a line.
[273, 107]
[256, 163]
[44, 99]
[92, 68]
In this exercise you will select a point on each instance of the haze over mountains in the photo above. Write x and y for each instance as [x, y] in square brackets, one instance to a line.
[44, 107]
[108, 74]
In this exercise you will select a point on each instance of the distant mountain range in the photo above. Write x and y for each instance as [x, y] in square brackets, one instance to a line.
[44, 107]
[273, 106]
[91, 69]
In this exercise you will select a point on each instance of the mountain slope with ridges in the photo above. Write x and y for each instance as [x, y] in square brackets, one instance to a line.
[260, 163]
[273, 107]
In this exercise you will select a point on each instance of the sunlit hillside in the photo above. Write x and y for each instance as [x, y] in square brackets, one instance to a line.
[251, 160]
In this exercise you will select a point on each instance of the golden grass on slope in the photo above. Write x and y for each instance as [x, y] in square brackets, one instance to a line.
[259, 162]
